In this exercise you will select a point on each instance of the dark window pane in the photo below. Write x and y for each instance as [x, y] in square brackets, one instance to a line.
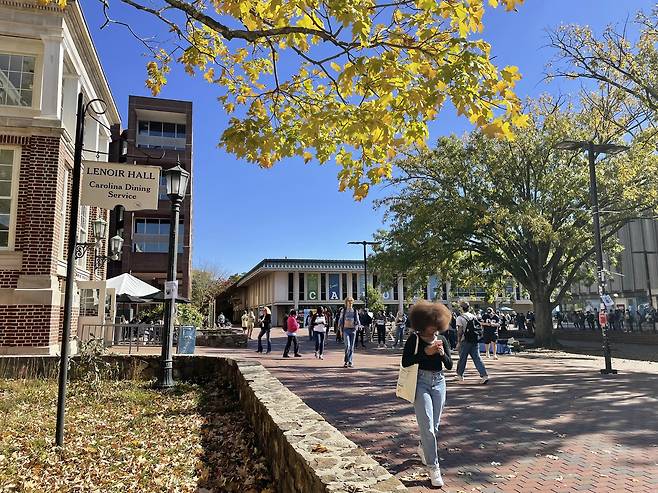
[169, 130]
[5, 188]
[15, 79]
[26, 98]
[5, 206]
[152, 226]
[4, 238]
[164, 228]
[28, 64]
[180, 131]
[4, 62]
[16, 63]
[140, 226]
[26, 81]
[143, 128]
[156, 129]
[4, 222]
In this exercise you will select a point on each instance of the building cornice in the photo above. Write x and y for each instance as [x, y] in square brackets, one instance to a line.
[287, 265]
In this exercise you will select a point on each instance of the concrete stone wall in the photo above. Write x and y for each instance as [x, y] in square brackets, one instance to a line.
[306, 454]
[222, 340]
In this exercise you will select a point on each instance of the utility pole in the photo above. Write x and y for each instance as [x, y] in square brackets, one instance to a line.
[365, 263]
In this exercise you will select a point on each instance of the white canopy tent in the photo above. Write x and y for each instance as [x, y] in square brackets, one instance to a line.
[127, 284]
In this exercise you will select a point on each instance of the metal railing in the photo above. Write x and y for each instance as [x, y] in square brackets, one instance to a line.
[131, 335]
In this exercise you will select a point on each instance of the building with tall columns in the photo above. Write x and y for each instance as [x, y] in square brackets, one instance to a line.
[46, 58]
[284, 284]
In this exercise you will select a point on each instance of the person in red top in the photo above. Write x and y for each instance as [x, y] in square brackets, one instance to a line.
[291, 332]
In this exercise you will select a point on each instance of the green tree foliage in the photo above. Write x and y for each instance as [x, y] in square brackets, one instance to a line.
[519, 207]
[375, 300]
[208, 282]
[354, 81]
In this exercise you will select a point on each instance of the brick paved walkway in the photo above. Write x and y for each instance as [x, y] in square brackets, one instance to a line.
[546, 422]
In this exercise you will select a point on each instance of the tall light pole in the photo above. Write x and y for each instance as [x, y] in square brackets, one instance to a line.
[176, 179]
[365, 263]
[593, 150]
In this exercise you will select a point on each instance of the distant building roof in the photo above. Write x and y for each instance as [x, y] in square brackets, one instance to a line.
[295, 264]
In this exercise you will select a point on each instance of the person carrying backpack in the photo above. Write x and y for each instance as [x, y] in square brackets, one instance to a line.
[292, 326]
[469, 333]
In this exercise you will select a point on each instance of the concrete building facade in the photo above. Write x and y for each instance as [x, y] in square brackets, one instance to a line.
[159, 134]
[633, 282]
[46, 58]
[283, 284]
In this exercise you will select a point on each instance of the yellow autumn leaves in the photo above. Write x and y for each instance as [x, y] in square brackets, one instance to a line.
[355, 81]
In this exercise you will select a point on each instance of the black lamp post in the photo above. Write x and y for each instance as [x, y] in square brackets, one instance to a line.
[365, 264]
[176, 180]
[99, 231]
[593, 150]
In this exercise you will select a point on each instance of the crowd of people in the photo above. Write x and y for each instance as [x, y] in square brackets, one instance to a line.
[628, 320]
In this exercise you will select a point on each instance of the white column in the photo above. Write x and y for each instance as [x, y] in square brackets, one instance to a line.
[448, 290]
[53, 67]
[70, 91]
[400, 294]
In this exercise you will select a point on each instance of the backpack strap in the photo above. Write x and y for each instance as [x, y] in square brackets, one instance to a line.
[417, 341]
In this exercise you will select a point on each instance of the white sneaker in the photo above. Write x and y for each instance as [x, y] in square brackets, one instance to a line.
[487, 355]
[321, 356]
[495, 356]
[316, 355]
[484, 379]
[460, 378]
[435, 476]
[421, 454]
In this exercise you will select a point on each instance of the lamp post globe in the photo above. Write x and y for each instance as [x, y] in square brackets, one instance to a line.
[99, 228]
[176, 179]
[116, 244]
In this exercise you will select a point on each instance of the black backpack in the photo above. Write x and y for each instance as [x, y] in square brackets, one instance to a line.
[473, 330]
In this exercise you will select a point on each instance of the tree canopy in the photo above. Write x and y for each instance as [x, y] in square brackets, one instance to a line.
[520, 207]
[355, 81]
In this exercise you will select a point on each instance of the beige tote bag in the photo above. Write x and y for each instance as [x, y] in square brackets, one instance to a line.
[407, 379]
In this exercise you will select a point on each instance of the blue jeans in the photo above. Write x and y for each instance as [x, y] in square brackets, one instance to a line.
[472, 349]
[349, 336]
[264, 332]
[319, 342]
[399, 335]
[429, 402]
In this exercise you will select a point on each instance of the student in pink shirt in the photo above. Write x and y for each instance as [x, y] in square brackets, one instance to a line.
[291, 332]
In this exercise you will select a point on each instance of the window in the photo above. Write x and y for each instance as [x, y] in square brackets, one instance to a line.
[355, 287]
[9, 159]
[301, 285]
[16, 79]
[395, 291]
[291, 286]
[162, 193]
[163, 130]
[323, 286]
[89, 302]
[344, 285]
[152, 236]
[83, 235]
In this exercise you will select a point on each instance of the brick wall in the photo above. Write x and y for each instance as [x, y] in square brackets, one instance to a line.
[9, 278]
[28, 325]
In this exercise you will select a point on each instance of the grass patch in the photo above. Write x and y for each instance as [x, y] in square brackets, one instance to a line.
[126, 436]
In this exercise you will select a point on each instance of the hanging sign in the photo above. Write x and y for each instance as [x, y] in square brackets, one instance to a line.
[312, 281]
[171, 290]
[133, 186]
[334, 287]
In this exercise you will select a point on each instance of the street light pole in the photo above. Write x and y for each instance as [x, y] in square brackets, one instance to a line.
[176, 180]
[592, 150]
[365, 264]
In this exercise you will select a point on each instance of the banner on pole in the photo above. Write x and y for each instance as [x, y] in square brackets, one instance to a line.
[133, 186]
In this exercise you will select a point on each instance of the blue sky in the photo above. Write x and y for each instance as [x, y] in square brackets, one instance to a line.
[242, 213]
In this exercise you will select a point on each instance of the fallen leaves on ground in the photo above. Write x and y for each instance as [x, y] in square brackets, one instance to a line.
[127, 437]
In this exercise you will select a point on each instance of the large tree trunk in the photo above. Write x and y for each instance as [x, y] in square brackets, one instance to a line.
[543, 307]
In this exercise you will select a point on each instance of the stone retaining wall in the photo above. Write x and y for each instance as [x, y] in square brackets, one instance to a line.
[222, 340]
[306, 454]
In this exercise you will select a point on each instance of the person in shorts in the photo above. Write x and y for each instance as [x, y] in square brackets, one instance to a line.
[490, 325]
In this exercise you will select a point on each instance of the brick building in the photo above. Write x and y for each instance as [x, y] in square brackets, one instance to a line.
[159, 134]
[46, 58]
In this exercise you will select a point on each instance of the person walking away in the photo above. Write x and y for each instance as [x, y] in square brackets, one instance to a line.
[349, 321]
[520, 321]
[319, 327]
[427, 319]
[244, 321]
[380, 325]
[590, 319]
[292, 326]
[629, 320]
[339, 333]
[560, 319]
[361, 329]
[468, 337]
[400, 324]
[308, 325]
[251, 321]
[490, 324]
[452, 331]
[265, 326]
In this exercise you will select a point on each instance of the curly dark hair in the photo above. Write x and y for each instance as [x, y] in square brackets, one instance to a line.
[426, 314]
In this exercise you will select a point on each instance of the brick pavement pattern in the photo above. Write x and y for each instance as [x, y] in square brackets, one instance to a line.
[547, 421]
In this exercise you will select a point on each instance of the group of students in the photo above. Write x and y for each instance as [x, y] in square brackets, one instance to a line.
[348, 325]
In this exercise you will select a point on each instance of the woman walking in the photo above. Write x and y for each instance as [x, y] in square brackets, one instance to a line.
[245, 321]
[251, 320]
[348, 323]
[265, 326]
[292, 326]
[380, 324]
[400, 323]
[430, 351]
[319, 327]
